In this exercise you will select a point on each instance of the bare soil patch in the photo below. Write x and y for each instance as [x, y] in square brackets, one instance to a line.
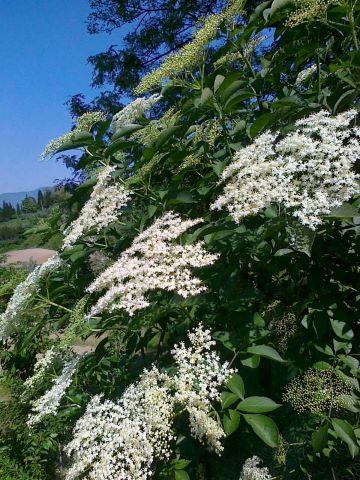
[28, 255]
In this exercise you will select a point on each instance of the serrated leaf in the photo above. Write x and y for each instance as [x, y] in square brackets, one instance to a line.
[231, 421]
[181, 475]
[116, 146]
[251, 362]
[78, 140]
[346, 210]
[181, 464]
[266, 351]
[264, 427]
[236, 385]
[345, 431]
[319, 438]
[227, 399]
[126, 130]
[257, 405]
[341, 329]
[218, 81]
[206, 94]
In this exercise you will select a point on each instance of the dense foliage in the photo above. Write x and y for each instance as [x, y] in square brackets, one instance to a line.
[210, 261]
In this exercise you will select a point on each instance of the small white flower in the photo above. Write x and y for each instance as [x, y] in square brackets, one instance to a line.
[83, 124]
[102, 208]
[130, 113]
[309, 171]
[49, 403]
[252, 471]
[152, 262]
[123, 439]
[23, 293]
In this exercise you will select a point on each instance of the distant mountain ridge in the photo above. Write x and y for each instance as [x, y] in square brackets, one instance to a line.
[18, 197]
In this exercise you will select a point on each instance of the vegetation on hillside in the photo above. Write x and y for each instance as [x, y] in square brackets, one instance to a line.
[211, 256]
[30, 223]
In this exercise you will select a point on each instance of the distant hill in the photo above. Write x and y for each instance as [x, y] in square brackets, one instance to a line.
[18, 197]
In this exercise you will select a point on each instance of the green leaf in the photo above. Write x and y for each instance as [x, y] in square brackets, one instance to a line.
[218, 167]
[260, 123]
[265, 428]
[181, 463]
[236, 385]
[344, 100]
[116, 146]
[238, 97]
[344, 211]
[231, 421]
[78, 140]
[345, 431]
[165, 135]
[319, 438]
[181, 475]
[152, 210]
[126, 130]
[283, 251]
[218, 81]
[182, 197]
[230, 89]
[341, 329]
[207, 93]
[266, 351]
[257, 405]
[228, 398]
[251, 362]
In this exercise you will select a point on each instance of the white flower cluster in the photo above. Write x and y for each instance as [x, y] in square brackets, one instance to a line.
[308, 171]
[152, 262]
[123, 439]
[133, 111]
[187, 57]
[197, 381]
[11, 318]
[83, 124]
[120, 440]
[43, 364]
[252, 471]
[100, 210]
[49, 403]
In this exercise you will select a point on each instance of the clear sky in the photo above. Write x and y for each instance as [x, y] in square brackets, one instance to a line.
[44, 47]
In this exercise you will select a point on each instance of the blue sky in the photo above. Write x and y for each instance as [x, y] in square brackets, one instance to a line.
[44, 47]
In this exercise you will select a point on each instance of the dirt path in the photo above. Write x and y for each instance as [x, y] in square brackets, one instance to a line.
[33, 255]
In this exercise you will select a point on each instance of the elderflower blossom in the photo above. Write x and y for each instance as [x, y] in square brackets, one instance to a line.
[308, 10]
[205, 429]
[308, 171]
[125, 438]
[23, 293]
[198, 379]
[122, 439]
[187, 57]
[43, 364]
[100, 210]
[83, 124]
[152, 262]
[49, 403]
[252, 471]
[317, 391]
[133, 111]
[199, 371]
